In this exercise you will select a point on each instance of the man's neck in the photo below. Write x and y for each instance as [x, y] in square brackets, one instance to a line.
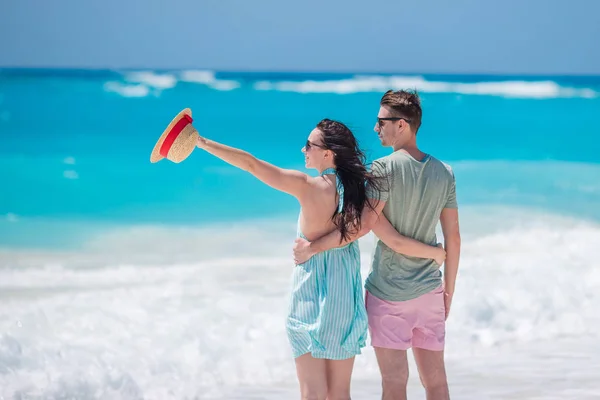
[412, 150]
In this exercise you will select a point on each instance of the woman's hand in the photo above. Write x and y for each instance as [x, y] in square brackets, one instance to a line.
[441, 255]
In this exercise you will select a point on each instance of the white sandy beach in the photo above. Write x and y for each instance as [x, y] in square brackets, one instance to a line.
[116, 320]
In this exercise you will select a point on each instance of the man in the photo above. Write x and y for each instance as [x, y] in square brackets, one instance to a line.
[407, 302]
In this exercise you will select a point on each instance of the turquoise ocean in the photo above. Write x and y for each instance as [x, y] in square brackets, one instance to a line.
[122, 279]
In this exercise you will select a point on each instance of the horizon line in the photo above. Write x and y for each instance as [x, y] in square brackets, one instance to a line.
[14, 68]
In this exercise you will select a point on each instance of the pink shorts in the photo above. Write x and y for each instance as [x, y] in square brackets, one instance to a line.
[400, 325]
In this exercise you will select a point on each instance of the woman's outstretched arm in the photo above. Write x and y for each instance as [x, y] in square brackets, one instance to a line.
[286, 180]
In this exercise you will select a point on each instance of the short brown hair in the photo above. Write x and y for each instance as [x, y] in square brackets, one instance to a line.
[406, 104]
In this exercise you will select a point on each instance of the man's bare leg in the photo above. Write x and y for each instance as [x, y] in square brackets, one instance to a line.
[312, 376]
[432, 372]
[393, 366]
[339, 376]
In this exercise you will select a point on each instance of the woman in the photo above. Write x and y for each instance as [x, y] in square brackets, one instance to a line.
[327, 320]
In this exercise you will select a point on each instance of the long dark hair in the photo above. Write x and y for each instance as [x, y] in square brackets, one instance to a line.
[352, 173]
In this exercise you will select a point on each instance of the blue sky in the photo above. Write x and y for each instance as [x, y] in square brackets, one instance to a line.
[459, 36]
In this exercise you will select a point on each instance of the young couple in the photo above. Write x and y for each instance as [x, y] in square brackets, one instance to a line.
[407, 300]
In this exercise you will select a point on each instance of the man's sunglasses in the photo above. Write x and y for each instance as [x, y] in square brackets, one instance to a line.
[391, 119]
[310, 144]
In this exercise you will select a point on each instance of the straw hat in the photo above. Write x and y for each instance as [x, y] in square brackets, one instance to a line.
[177, 141]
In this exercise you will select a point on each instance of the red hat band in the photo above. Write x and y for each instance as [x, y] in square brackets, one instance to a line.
[172, 135]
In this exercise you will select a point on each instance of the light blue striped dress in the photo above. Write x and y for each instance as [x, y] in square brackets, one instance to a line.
[327, 315]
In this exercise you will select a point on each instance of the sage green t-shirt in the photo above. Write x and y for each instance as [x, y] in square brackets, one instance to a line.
[415, 194]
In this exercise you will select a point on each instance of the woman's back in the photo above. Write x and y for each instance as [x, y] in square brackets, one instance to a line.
[318, 206]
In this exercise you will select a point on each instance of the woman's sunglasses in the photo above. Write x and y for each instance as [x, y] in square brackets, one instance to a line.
[310, 144]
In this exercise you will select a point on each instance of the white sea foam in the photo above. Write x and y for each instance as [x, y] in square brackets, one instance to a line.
[208, 78]
[151, 79]
[127, 90]
[357, 84]
[70, 174]
[175, 313]
[142, 83]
